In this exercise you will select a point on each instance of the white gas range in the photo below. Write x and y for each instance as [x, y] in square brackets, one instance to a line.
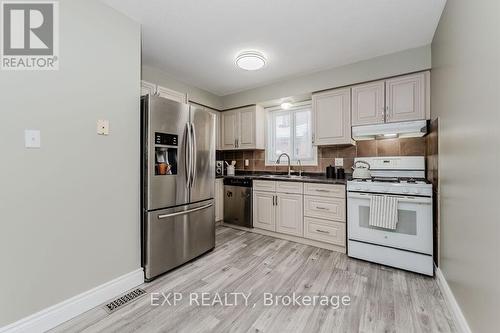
[409, 244]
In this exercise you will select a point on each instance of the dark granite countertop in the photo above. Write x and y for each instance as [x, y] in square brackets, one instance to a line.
[306, 178]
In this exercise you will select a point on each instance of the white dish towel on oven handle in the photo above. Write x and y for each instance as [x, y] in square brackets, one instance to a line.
[383, 212]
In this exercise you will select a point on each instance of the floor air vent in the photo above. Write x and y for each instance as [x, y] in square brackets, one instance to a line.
[124, 300]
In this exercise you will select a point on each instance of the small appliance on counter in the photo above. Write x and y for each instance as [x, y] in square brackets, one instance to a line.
[330, 172]
[340, 173]
[219, 168]
[361, 170]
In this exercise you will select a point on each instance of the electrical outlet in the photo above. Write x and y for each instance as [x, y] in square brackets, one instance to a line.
[339, 162]
[103, 127]
[32, 139]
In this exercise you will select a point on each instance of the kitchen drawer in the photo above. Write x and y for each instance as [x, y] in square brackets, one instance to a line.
[264, 185]
[325, 190]
[289, 187]
[330, 232]
[324, 208]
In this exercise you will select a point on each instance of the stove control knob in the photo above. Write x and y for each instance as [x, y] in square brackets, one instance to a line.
[364, 189]
[405, 190]
[416, 191]
[357, 188]
[385, 189]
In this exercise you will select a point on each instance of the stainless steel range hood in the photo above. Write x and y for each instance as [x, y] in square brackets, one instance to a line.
[407, 129]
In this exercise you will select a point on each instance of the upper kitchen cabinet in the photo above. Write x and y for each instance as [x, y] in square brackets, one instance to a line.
[229, 131]
[368, 103]
[403, 98]
[154, 89]
[406, 98]
[332, 117]
[243, 128]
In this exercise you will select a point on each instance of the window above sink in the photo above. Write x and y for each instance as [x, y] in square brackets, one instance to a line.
[290, 131]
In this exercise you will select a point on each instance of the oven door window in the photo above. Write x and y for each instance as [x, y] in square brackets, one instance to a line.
[407, 221]
[413, 231]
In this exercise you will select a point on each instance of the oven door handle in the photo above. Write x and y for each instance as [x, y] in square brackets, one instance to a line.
[401, 199]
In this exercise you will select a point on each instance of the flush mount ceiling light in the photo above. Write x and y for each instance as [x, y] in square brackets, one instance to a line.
[286, 105]
[250, 60]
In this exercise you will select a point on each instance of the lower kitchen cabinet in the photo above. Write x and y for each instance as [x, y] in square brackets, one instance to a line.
[325, 231]
[289, 214]
[264, 216]
[304, 212]
[280, 212]
[219, 199]
[324, 207]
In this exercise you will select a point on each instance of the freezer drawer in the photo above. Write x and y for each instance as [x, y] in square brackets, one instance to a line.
[176, 235]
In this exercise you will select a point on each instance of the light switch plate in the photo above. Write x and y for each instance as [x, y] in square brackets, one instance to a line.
[103, 127]
[339, 162]
[32, 138]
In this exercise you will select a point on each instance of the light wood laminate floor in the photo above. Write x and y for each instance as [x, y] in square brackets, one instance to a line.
[382, 299]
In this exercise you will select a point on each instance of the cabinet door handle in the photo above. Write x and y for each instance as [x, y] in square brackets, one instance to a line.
[321, 208]
[277, 202]
[320, 190]
[322, 231]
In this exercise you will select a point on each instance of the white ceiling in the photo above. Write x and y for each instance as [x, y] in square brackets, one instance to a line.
[196, 41]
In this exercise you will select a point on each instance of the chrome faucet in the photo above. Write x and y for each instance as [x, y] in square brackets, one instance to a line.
[300, 166]
[278, 161]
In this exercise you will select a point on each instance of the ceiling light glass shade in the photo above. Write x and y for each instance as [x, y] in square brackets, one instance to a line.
[250, 60]
[286, 105]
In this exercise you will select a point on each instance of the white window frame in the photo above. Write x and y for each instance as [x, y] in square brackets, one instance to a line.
[270, 135]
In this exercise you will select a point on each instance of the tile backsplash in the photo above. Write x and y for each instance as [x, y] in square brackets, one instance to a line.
[327, 155]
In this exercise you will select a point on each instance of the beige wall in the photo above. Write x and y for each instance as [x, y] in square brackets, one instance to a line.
[389, 65]
[155, 75]
[69, 212]
[465, 96]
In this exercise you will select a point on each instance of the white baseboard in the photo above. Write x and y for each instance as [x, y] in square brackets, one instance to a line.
[57, 314]
[456, 312]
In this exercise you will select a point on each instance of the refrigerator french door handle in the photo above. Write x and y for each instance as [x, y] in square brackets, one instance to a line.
[195, 157]
[187, 155]
[185, 211]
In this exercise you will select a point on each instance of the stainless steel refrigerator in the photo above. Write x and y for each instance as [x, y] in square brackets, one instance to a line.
[178, 177]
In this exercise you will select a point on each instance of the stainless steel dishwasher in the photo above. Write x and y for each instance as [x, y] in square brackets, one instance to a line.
[238, 201]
